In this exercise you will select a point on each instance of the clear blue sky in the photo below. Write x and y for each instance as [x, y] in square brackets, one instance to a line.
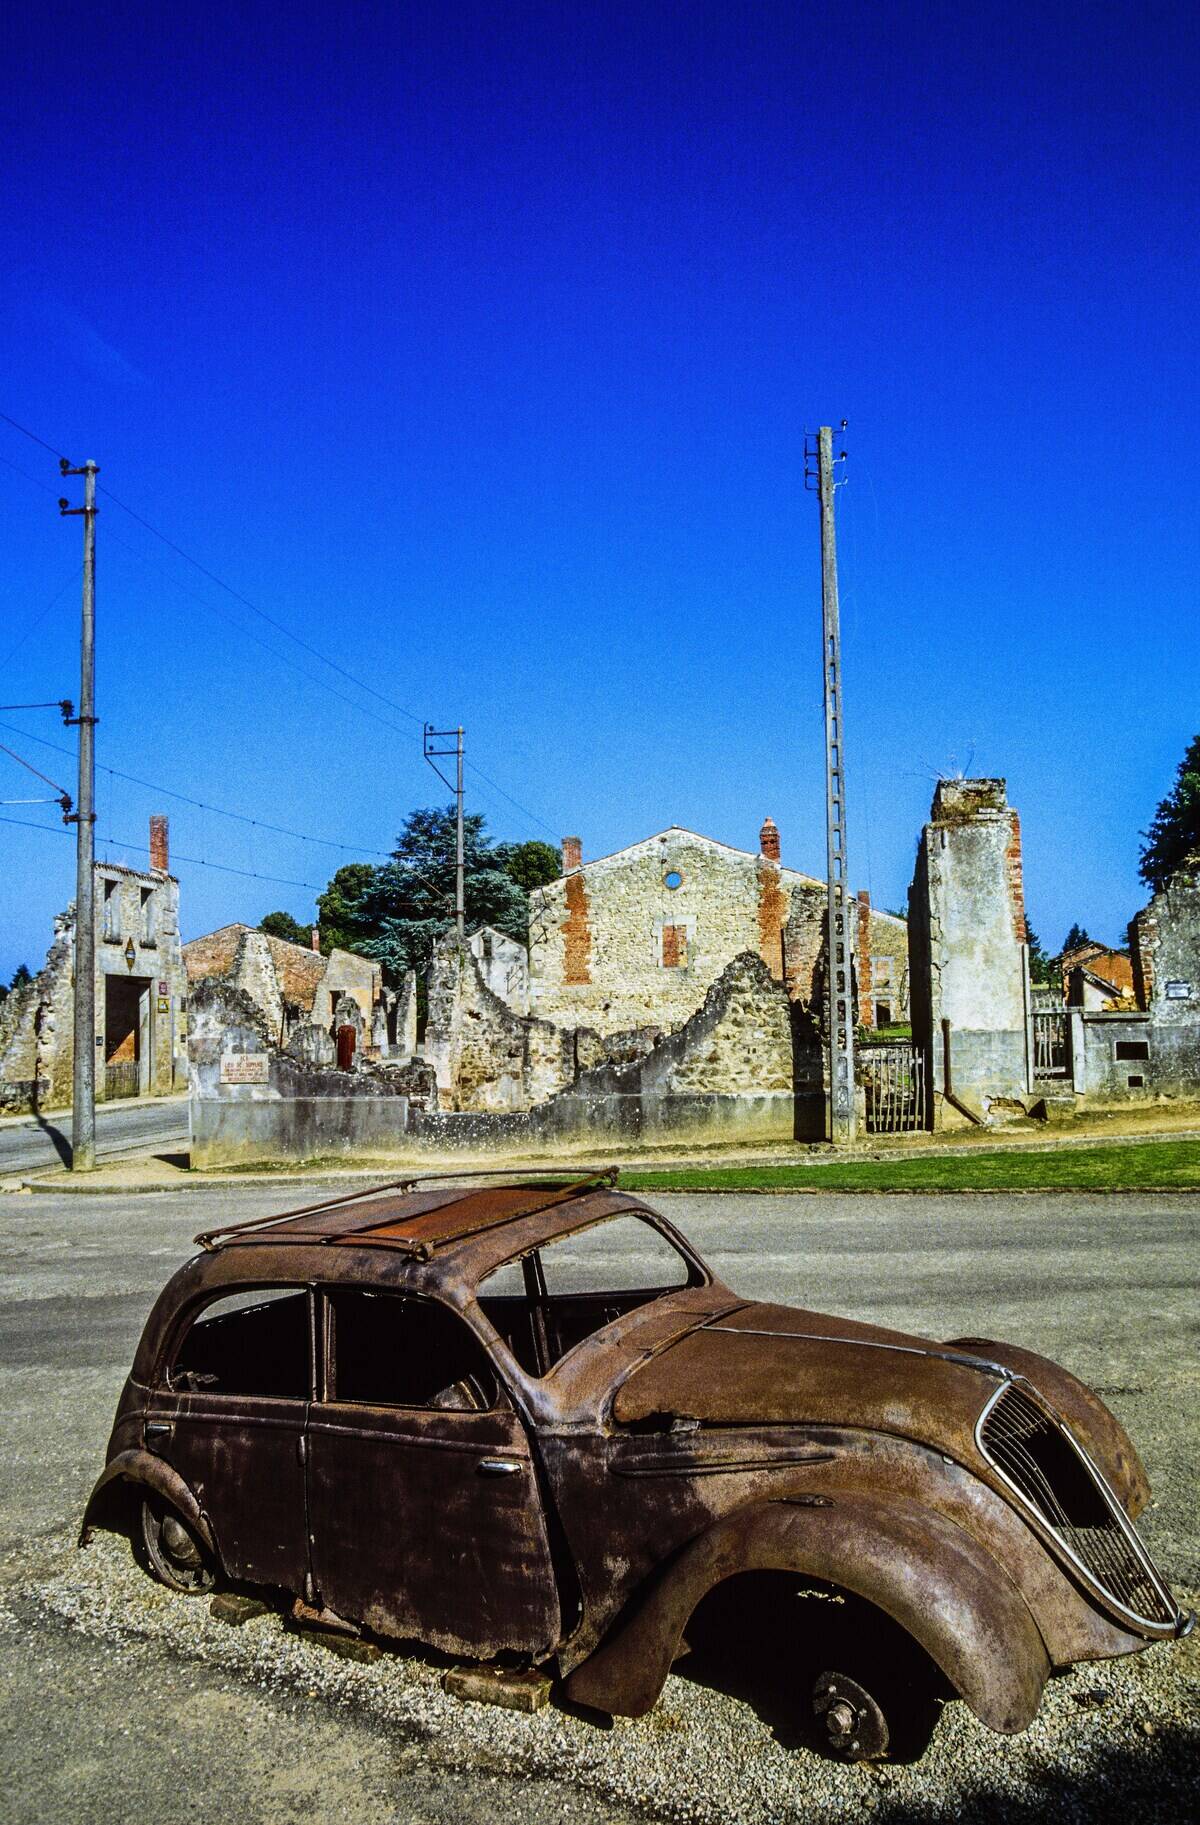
[476, 344]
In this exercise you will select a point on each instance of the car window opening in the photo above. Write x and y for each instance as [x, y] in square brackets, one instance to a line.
[389, 1351]
[253, 1342]
[554, 1297]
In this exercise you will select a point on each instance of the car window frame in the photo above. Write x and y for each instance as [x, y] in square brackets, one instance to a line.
[191, 1314]
[325, 1382]
[529, 1260]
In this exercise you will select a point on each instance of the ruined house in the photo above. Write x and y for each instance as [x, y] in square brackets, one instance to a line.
[290, 984]
[141, 995]
[1105, 979]
[637, 938]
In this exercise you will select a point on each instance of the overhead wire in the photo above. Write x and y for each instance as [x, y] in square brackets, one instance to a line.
[244, 600]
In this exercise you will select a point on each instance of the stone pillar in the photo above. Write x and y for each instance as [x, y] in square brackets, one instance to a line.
[406, 1018]
[967, 938]
[866, 1000]
[379, 1032]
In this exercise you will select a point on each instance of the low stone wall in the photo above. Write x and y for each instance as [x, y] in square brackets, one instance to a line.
[252, 1102]
[1133, 1058]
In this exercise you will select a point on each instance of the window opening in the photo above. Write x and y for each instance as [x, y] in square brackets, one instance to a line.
[673, 880]
[556, 1296]
[674, 947]
[253, 1342]
[391, 1351]
[1133, 1048]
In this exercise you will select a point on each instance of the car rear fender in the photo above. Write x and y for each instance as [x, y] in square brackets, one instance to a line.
[125, 1474]
[925, 1572]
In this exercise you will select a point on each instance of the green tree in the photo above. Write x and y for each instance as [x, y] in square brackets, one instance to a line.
[282, 925]
[1039, 963]
[531, 864]
[340, 908]
[1174, 833]
[1075, 937]
[21, 975]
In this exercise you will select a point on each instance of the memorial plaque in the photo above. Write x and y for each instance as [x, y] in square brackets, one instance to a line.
[1178, 991]
[245, 1067]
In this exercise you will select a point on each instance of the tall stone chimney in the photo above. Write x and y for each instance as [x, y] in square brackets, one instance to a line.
[315, 937]
[768, 840]
[160, 852]
[572, 853]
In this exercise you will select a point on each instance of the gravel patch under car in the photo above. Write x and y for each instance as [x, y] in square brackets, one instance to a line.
[1110, 1737]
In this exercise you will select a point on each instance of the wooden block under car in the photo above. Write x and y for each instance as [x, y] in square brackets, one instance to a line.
[515, 1691]
[231, 1607]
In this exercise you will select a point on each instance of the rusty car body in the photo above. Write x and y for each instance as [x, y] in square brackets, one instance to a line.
[395, 1408]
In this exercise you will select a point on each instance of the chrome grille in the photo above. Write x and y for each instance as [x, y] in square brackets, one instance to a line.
[1038, 1458]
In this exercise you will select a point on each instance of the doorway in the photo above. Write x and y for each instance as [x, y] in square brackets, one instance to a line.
[127, 1037]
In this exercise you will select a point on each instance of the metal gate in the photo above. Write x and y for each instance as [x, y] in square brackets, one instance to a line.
[121, 1079]
[1051, 1043]
[894, 1080]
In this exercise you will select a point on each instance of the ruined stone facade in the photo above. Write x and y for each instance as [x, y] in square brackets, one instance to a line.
[141, 996]
[288, 983]
[967, 936]
[638, 937]
[1165, 945]
[504, 966]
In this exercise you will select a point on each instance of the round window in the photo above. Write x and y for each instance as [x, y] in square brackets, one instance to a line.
[672, 879]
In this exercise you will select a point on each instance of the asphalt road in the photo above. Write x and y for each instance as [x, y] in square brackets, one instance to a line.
[108, 1720]
[38, 1142]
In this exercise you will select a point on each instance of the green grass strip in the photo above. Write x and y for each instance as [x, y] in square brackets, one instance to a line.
[1142, 1166]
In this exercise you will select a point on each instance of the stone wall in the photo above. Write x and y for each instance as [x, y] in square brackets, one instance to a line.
[967, 938]
[504, 966]
[253, 1101]
[287, 982]
[1165, 942]
[141, 999]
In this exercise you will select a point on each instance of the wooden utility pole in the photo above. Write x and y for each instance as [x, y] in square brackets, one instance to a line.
[83, 1093]
[840, 1000]
[433, 755]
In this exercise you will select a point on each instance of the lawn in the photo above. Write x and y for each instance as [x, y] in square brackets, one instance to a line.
[1119, 1166]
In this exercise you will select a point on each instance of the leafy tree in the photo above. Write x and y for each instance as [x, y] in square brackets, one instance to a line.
[1075, 937]
[340, 907]
[1174, 833]
[1040, 969]
[530, 864]
[282, 925]
[21, 975]
[397, 912]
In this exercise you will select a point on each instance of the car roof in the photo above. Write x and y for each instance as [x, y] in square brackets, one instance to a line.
[416, 1217]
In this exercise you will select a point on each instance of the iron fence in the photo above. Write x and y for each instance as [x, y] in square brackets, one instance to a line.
[121, 1079]
[1051, 1042]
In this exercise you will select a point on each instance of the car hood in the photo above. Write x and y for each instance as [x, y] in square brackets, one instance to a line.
[776, 1365]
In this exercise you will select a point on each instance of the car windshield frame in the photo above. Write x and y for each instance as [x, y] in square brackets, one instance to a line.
[539, 1298]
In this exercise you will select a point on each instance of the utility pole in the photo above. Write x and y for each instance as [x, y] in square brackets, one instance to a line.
[433, 755]
[83, 1097]
[840, 1000]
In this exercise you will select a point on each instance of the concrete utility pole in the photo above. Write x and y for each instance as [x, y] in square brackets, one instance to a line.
[840, 1005]
[83, 1097]
[433, 755]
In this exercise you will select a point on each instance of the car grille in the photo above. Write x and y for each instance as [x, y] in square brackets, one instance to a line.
[1038, 1458]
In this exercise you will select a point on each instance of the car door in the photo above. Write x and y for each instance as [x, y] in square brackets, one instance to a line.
[229, 1415]
[425, 1509]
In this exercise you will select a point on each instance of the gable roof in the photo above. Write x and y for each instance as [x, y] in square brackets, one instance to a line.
[706, 842]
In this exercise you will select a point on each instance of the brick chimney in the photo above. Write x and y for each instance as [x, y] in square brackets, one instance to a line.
[572, 853]
[160, 853]
[768, 840]
[315, 937]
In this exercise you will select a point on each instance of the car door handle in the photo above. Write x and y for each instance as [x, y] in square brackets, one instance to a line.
[499, 1466]
[156, 1429]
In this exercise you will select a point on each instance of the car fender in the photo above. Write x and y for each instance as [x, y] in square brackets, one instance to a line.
[134, 1468]
[923, 1570]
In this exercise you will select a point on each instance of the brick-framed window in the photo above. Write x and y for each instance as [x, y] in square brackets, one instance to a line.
[674, 947]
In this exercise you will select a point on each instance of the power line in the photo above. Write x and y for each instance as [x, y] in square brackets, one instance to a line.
[245, 602]
[194, 861]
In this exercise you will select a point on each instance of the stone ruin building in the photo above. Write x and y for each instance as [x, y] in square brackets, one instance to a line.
[141, 995]
[294, 984]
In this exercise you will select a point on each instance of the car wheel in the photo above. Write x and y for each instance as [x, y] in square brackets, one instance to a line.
[172, 1552]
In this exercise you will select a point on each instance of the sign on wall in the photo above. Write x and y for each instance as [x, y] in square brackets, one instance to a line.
[245, 1067]
[1178, 991]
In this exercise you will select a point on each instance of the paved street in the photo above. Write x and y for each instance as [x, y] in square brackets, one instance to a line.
[37, 1142]
[119, 1701]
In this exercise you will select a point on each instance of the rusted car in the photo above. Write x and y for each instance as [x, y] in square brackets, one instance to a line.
[524, 1423]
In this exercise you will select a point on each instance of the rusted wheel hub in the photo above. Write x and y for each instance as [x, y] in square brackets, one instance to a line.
[855, 1728]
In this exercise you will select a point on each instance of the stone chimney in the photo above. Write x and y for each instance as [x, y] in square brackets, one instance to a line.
[768, 840]
[572, 853]
[315, 937]
[160, 853]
